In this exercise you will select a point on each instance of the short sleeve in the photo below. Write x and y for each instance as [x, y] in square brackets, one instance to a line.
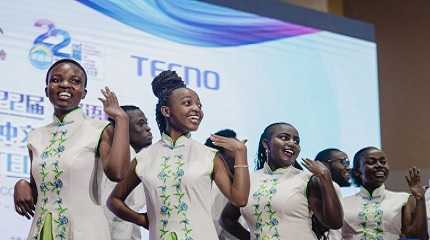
[140, 158]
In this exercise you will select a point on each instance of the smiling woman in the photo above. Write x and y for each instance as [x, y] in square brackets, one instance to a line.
[377, 213]
[283, 197]
[177, 171]
[67, 159]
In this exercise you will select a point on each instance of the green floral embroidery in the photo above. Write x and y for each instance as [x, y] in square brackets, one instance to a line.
[51, 182]
[371, 221]
[172, 197]
[266, 225]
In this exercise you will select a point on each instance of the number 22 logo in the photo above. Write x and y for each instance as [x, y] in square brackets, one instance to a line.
[52, 31]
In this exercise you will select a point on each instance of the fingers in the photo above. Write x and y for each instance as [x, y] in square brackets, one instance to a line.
[23, 210]
[307, 163]
[109, 96]
[408, 180]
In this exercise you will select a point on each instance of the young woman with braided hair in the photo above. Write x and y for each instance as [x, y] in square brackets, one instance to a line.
[283, 198]
[177, 171]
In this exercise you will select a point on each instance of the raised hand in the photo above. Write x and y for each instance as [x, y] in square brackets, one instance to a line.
[23, 199]
[414, 182]
[316, 167]
[229, 144]
[110, 104]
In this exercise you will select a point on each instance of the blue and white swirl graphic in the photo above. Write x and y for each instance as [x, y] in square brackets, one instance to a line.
[196, 23]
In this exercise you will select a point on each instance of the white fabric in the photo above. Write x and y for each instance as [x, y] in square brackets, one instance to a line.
[277, 205]
[120, 229]
[380, 213]
[177, 182]
[217, 207]
[68, 174]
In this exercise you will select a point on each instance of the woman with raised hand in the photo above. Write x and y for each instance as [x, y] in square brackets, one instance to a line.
[68, 157]
[177, 171]
[283, 198]
[377, 213]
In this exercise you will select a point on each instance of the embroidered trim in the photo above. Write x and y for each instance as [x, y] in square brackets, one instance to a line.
[51, 182]
[172, 197]
[371, 221]
[266, 225]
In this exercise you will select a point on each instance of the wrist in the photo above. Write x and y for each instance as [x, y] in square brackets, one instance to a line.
[120, 117]
[418, 196]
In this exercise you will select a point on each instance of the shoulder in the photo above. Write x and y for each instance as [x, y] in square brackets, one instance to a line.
[400, 197]
[96, 123]
[38, 133]
[351, 199]
[203, 149]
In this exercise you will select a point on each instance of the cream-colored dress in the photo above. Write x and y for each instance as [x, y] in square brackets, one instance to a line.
[120, 229]
[373, 217]
[67, 173]
[277, 205]
[177, 182]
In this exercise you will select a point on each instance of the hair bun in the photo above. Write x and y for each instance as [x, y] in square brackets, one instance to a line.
[165, 82]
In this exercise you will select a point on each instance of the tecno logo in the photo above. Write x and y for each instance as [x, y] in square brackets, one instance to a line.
[192, 76]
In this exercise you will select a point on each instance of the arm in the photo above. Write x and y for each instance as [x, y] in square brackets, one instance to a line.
[237, 191]
[114, 147]
[116, 201]
[230, 222]
[414, 216]
[25, 195]
[323, 200]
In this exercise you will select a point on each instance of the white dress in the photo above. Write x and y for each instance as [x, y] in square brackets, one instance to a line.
[67, 174]
[177, 182]
[277, 205]
[120, 229]
[373, 217]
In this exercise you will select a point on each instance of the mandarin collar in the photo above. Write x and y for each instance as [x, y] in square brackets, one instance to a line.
[378, 193]
[76, 115]
[168, 141]
[280, 171]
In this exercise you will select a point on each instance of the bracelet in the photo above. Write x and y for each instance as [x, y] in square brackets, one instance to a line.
[240, 166]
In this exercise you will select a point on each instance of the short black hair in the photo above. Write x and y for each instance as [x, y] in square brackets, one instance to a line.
[224, 133]
[325, 154]
[126, 108]
[66, 60]
[356, 180]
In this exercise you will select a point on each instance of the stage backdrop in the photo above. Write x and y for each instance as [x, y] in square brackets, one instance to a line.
[249, 71]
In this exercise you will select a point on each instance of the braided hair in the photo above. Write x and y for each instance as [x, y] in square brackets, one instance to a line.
[162, 87]
[356, 165]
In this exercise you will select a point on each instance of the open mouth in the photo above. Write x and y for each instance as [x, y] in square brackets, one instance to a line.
[195, 119]
[289, 152]
[379, 174]
[64, 95]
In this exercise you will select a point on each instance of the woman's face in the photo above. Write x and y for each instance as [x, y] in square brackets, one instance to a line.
[184, 110]
[374, 168]
[283, 146]
[66, 87]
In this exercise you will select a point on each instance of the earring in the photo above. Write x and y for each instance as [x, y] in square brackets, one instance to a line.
[267, 155]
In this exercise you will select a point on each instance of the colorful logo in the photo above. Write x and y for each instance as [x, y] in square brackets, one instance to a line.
[44, 52]
[55, 43]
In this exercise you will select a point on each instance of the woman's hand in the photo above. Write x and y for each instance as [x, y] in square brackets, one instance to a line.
[229, 144]
[111, 105]
[414, 182]
[317, 168]
[23, 199]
